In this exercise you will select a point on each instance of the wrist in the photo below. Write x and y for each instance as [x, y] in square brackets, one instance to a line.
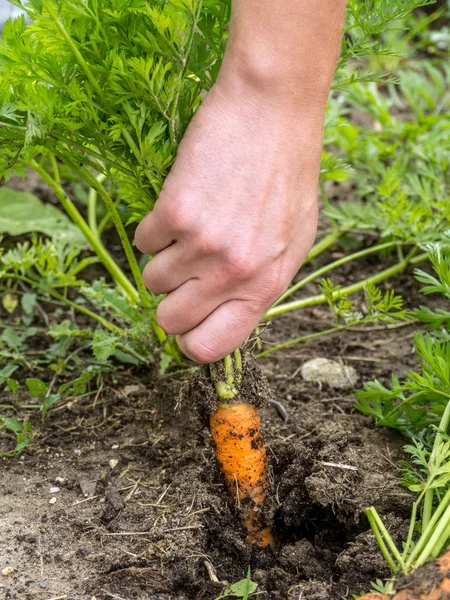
[266, 75]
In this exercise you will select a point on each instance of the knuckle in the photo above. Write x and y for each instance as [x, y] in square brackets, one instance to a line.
[206, 243]
[275, 286]
[165, 319]
[241, 266]
[176, 213]
[151, 278]
[202, 352]
[140, 237]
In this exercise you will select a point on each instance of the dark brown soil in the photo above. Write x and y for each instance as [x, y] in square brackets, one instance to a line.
[142, 512]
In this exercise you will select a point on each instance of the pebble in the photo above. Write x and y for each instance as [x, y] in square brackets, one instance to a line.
[52, 500]
[324, 370]
[60, 480]
[113, 463]
[54, 490]
[115, 447]
[7, 571]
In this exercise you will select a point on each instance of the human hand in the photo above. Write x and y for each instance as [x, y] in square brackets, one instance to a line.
[236, 217]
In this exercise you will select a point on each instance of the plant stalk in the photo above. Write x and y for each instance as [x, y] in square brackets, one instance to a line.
[109, 263]
[92, 206]
[85, 311]
[429, 494]
[345, 291]
[87, 176]
[333, 265]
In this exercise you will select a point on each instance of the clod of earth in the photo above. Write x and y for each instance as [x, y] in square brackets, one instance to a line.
[430, 582]
[334, 374]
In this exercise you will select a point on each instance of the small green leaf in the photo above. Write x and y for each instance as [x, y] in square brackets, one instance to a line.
[11, 338]
[36, 387]
[22, 432]
[104, 344]
[12, 385]
[240, 589]
[48, 401]
[164, 362]
[10, 302]
[8, 371]
[28, 303]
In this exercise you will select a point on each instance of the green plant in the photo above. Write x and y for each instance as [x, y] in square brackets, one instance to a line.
[419, 407]
[415, 405]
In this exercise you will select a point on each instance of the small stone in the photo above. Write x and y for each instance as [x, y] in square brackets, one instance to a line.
[115, 447]
[54, 490]
[52, 500]
[323, 370]
[7, 571]
[77, 452]
[88, 487]
[60, 480]
[22, 457]
[113, 463]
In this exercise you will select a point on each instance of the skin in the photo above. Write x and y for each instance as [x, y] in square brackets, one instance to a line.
[238, 212]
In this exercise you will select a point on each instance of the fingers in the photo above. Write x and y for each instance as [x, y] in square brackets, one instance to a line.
[166, 271]
[152, 235]
[222, 332]
[187, 306]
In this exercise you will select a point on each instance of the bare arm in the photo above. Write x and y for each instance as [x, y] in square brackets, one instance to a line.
[237, 214]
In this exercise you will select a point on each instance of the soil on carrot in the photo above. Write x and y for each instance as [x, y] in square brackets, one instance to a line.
[142, 512]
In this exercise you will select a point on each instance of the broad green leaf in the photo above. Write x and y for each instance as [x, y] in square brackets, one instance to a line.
[21, 212]
[36, 387]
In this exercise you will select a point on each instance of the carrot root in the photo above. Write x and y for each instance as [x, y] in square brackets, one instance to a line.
[236, 432]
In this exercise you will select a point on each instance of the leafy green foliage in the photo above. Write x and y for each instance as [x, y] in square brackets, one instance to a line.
[401, 165]
[387, 308]
[415, 405]
[365, 34]
[108, 84]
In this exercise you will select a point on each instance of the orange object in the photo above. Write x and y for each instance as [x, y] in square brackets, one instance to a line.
[240, 451]
[430, 582]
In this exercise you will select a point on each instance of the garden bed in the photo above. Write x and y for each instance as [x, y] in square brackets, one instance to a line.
[156, 521]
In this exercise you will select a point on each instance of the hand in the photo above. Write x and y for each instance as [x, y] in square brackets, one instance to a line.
[236, 217]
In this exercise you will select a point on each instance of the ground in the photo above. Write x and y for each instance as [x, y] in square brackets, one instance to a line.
[142, 512]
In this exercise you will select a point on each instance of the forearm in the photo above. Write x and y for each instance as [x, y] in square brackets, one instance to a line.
[288, 48]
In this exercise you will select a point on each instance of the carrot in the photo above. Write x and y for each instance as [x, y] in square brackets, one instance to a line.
[236, 432]
[430, 582]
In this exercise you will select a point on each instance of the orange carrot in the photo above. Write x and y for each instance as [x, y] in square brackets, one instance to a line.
[236, 431]
[430, 582]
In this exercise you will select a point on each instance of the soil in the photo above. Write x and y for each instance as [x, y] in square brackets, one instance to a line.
[142, 512]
